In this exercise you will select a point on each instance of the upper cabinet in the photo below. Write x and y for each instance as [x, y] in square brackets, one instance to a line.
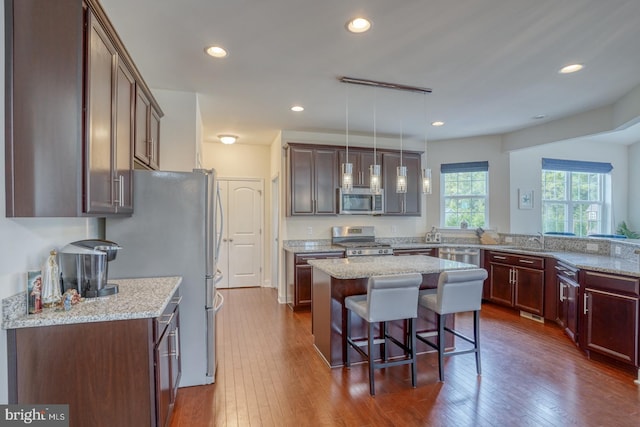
[408, 203]
[147, 139]
[361, 160]
[313, 180]
[70, 111]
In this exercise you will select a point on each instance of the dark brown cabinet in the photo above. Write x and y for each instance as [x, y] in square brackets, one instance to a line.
[147, 132]
[609, 316]
[409, 203]
[300, 277]
[70, 111]
[361, 160]
[111, 373]
[426, 251]
[313, 180]
[567, 303]
[517, 281]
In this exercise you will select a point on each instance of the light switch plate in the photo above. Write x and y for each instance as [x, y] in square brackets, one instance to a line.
[508, 239]
[593, 247]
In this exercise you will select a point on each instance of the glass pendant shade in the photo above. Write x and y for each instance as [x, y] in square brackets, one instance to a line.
[374, 179]
[347, 177]
[426, 181]
[401, 180]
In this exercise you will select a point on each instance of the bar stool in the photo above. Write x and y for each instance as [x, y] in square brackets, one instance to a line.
[458, 291]
[388, 298]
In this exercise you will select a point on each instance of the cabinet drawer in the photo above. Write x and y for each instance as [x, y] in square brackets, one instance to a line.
[519, 260]
[403, 252]
[303, 258]
[610, 282]
[160, 323]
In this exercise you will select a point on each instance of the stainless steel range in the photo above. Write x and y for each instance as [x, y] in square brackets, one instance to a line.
[359, 241]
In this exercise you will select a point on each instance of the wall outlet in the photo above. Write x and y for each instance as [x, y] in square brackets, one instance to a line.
[617, 250]
[310, 231]
[508, 239]
[593, 247]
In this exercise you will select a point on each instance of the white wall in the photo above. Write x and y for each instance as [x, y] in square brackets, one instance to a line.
[26, 242]
[526, 173]
[633, 183]
[179, 132]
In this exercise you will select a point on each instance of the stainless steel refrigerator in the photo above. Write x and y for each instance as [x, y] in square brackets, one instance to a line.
[175, 230]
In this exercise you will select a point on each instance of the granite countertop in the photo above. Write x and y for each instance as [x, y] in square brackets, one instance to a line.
[311, 247]
[137, 299]
[367, 266]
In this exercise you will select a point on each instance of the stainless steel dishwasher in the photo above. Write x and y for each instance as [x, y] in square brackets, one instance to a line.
[466, 255]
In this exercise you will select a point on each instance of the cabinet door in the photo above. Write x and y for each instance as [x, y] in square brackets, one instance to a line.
[141, 142]
[124, 128]
[611, 325]
[501, 288]
[175, 361]
[101, 61]
[304, 279]
[393, 202]
[302, 181]
[571, 310]
[529, 290]
[163, 378]
[365, 160]
[154, 139]
[413, 196]
[409, 203]
[326, 181]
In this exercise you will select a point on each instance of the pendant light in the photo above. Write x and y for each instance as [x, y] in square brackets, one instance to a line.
[347, 167]
[401, 176]
[426, 172]
[374, 169]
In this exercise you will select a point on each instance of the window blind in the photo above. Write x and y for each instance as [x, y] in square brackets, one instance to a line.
[464, 167]
[576, 166]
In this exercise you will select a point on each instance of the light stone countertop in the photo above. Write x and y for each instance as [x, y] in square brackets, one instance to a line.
[137, 299]
[367, 266]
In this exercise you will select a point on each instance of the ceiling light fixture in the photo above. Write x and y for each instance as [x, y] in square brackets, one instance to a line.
[386, 85]
[401, 171]
[426, 172]
[374, 169]
[437, 123]
[347, 167]
[571, 68]
[216, 51]
[297, 108]
[227, 139]
[358, 25]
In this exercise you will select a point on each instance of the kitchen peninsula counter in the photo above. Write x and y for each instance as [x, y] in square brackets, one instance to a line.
[336, 279]
[136, 299]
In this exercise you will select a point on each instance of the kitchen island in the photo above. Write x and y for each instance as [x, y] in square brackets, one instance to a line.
[336, 279]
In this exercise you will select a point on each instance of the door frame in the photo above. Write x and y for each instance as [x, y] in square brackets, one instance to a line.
[275, 232]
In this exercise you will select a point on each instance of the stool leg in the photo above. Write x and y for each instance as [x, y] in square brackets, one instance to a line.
[347, 359]
[476, 339]
[372, 387]
[383, 347]
[412, 348]
[441, 346]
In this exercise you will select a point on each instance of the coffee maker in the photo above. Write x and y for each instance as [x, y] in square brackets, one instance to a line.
[84, 267]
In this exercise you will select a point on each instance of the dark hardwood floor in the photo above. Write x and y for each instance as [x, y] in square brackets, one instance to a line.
[269, 374]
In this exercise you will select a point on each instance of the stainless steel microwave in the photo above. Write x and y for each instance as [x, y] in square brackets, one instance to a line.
[360, 201]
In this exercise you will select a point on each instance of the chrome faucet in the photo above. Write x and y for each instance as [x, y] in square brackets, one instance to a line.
[539, 238]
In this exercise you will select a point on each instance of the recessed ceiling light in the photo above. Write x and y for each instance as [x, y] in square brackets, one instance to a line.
[297, 108]
[227, 139]
[437, 123]
[216, 51]
[358, 25]
[572, 68]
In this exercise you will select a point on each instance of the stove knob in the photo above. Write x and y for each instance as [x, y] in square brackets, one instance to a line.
[380, 251]
[359, 251]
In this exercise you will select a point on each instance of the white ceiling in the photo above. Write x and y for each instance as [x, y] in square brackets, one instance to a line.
[492, 64]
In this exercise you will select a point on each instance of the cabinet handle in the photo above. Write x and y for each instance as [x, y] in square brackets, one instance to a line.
[119, 200]
[510, 276]
[561, 291]
[176, 342]
[515, 276]
[499, 257]
[176, 300]
[584, 304]
[525, 261]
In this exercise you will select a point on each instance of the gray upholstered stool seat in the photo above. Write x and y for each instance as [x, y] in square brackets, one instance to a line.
[388, 298]
[458, 291]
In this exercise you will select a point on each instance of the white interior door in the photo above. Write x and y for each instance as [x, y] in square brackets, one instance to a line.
[241, 251]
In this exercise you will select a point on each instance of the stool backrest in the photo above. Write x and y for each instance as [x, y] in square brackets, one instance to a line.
[460, 290]
[393, 297]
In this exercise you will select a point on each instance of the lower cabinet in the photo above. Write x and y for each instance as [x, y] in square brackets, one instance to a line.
[609, 316]
[299, 277]
[517, 281]
[568, 297]
[113, 373]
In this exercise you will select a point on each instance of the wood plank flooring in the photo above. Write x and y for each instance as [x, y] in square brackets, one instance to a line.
[269, 374]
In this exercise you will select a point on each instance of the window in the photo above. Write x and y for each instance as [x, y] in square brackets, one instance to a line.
[465, 195]
[574, 196]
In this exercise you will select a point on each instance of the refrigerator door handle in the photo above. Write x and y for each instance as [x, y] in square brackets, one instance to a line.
[219, 242]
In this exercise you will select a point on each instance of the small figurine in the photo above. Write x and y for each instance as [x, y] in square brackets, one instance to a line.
[34, 289]
[51, 281]
[69, 298]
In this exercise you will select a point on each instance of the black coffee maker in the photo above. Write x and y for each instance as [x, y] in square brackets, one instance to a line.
[84, 267]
